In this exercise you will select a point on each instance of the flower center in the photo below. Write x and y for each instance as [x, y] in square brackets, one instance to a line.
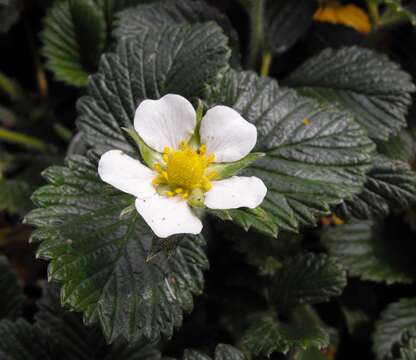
[184, 171]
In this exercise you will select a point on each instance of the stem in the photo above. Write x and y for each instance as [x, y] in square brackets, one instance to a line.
[374, 12]
[256, 31]
[8, 86]
[265, 64]
[41, 81]
[25, 140]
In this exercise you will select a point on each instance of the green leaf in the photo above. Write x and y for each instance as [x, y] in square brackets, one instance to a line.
[20, 340]
[398, 318]
[222, 352]
[397, 12]
[15, 196]
[132, 22]
[102, 260]
[12, 298]
[406, 348]
[371, 251]
[370, 86]
[69, 339]
[9, 14]
[286, 21]
[226, 170]
[317, 277]
[390, 185]
[314, 156]
[268, 335]
[155, 63]
[400, 147]
[257, 219]
[74, 38]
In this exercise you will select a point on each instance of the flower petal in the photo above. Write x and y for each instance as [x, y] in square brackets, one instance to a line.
[168, 215]
[236, 192]
[165, 122]
[126, 174]
[227, 134]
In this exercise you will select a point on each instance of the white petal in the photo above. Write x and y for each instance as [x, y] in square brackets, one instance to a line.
[168, 216]
[236, 192]
[126, 174]
[165, 122]
[227, 134]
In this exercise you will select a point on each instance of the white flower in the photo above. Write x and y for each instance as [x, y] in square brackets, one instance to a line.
[184, 175]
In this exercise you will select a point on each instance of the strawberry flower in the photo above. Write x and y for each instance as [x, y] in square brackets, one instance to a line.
[186, 157]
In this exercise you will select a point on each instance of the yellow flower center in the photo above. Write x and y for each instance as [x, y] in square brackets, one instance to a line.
[184, 171]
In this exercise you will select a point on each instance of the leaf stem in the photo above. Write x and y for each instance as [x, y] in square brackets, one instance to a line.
[8, 86]
[266, 63]
[25, 140]
[374, 12]
[256, 13]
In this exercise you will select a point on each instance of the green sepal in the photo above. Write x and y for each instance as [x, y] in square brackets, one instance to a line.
[226, 170]
[149, 156]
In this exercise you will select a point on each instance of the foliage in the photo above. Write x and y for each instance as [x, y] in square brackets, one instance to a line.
[324, 268]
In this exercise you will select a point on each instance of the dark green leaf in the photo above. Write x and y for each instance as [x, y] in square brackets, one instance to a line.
[71, 340]
[9, 14]
[370, 86]
[314, 156]
[15, 196]
[390, 185]
[257, 219]
[74, 38]
[401, 11]
[222, 352]
[268, 335]
[371, 251]
[102, 260]
[398, 318]
[132, 22]
[20, 340]
[286, 21]
[157, 62]
[317, 278]
[400, 147]
[406, 348]
[12, 298]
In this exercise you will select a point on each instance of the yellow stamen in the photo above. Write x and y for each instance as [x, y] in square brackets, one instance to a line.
[184, 170]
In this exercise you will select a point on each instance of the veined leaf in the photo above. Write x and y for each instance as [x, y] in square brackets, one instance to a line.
[315, 156]
[395, 321]
[400, 147]
[369, 250]
[257, 219]
[74, 38]
[286, 21]
[370, 86]
[76, 34]
[155, 63]
[102, 259]
[317, 278]
[268, 335]
[390, 185]
[20, 340]
[406, 348]
[222, 352]
[132, 22]
[12, 298]
[69, 339]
